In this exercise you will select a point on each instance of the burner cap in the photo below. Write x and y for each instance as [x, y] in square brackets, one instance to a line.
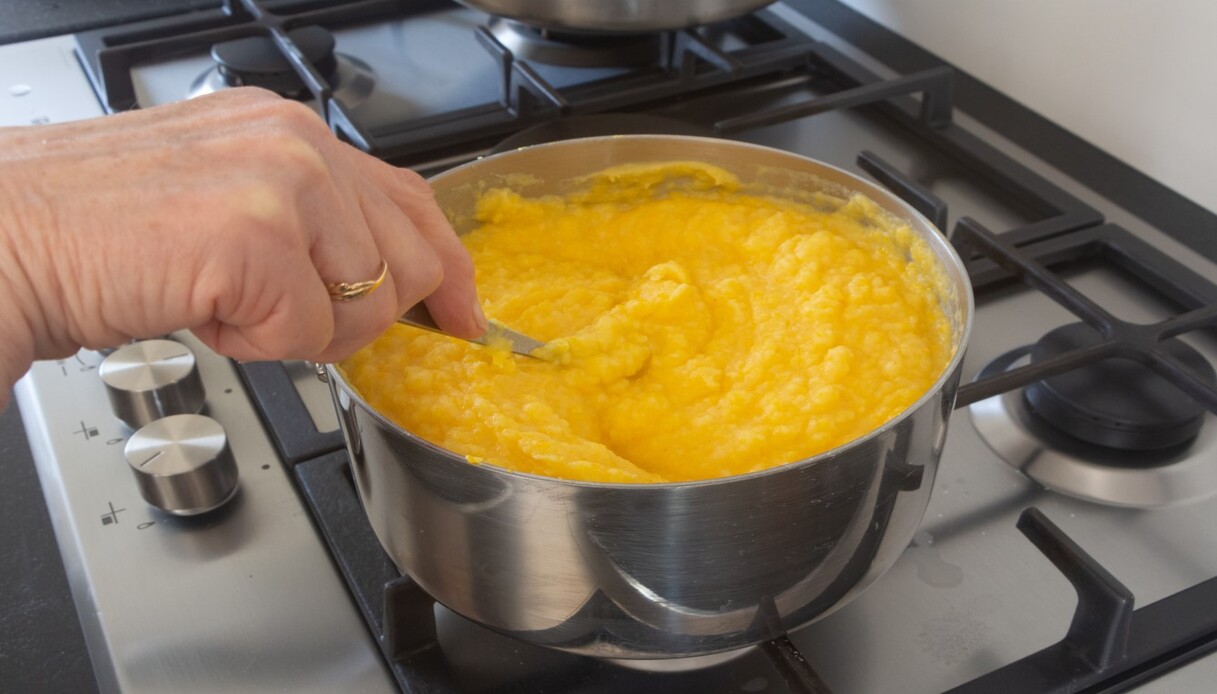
[256, 61]
[1117, 403]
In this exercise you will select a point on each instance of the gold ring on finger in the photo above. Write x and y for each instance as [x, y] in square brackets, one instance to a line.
[350, 291]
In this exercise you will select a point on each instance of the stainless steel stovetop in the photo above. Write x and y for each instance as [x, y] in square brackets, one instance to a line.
[249, 598]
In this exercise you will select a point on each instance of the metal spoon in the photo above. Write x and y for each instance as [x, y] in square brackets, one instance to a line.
[420, 317]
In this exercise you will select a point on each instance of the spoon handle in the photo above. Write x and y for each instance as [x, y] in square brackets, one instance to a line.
[420, 317]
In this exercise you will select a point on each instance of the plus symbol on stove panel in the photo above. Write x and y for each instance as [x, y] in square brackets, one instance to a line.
[86, 431]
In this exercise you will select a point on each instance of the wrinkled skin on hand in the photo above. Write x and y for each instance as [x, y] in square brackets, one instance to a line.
[227, 215]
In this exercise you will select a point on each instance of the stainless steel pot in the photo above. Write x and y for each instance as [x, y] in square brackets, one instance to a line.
[616, 16]
[664, 570]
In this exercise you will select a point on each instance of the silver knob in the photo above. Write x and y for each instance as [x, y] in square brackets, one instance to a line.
[152, 379]
[183, 464]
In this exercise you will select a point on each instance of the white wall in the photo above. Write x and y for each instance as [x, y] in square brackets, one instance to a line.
[1138, 78]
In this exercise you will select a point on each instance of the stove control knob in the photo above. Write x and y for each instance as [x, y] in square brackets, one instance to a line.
[151, 379]
[182, 464]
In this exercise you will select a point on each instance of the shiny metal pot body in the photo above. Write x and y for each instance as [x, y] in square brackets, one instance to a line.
[616, 16]
[665, 570]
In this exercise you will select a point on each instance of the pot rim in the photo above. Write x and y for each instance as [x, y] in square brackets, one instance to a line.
[952, 265]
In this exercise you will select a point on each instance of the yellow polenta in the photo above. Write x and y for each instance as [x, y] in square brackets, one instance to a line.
[696, 331]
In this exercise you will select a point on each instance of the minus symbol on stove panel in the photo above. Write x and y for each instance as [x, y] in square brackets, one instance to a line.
[154, 457]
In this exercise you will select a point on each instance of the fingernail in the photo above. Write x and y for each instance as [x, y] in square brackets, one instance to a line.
[480, 318]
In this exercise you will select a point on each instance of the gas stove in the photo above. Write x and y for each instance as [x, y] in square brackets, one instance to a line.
[1066, 546]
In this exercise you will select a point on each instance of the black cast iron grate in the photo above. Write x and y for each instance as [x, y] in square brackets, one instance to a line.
[993, 259]
[1120, 338]
[1108, 646]
[690, 62]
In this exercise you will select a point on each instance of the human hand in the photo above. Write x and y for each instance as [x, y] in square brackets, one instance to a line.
[227, 215]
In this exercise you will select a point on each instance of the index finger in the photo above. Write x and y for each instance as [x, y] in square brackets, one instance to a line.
[454, 304]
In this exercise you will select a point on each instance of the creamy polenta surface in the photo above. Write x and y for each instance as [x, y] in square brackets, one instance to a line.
[695, 330]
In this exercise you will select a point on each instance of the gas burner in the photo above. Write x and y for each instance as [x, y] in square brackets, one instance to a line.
[569, 49]
[1116, 403]
[1068, 463]
[256, 61]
